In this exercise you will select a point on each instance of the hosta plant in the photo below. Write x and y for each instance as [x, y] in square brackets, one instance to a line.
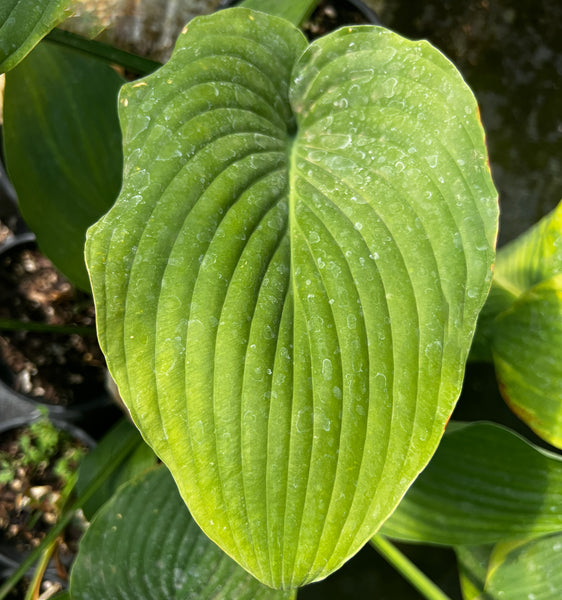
[288, 284]
[287, 288]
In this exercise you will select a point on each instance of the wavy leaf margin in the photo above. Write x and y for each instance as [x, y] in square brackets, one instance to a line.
[288, 284]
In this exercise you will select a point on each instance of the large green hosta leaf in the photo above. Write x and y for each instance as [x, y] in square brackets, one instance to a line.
[484, 484]
[63, 148]
[23, 23]
[288, 284]
[527, 337]
[143, 545]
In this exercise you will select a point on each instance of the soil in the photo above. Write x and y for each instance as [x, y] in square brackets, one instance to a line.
[30, 501]
[35, 465]
[50, 367]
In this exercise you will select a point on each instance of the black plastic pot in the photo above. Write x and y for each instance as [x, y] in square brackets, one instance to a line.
[9, 213]
[15, 410]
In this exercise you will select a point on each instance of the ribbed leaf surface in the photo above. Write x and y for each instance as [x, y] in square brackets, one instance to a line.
[23, 23]
[288, 284]
[529, 571]
[63, 148]
[484, 484]
[524, 570]
[143, 545]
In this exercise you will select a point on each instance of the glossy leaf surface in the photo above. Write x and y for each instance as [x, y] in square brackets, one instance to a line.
[24, 23]
[524, 570]
[527, 350]
[533, 257]
[528, 260]
[288, 285]
[63, 148]
[143, 545]
[520, 328]
[484, 484]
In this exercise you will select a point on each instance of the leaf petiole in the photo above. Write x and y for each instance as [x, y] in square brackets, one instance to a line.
[131, 62]
[14, 325]
[407, 569]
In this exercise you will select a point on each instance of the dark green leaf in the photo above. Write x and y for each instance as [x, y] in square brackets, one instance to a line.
[143, 545]
[484, 484]
[63, 148]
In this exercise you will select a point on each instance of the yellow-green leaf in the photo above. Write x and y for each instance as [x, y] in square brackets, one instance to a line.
[533, 257]
[520, 329]
[527, 351]
[288, 284]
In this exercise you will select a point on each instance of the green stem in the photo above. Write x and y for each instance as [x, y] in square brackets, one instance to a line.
[65, 518]
[34, 586]
[407, 569]
[131, 62]
[33, 589]
[12, 325]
